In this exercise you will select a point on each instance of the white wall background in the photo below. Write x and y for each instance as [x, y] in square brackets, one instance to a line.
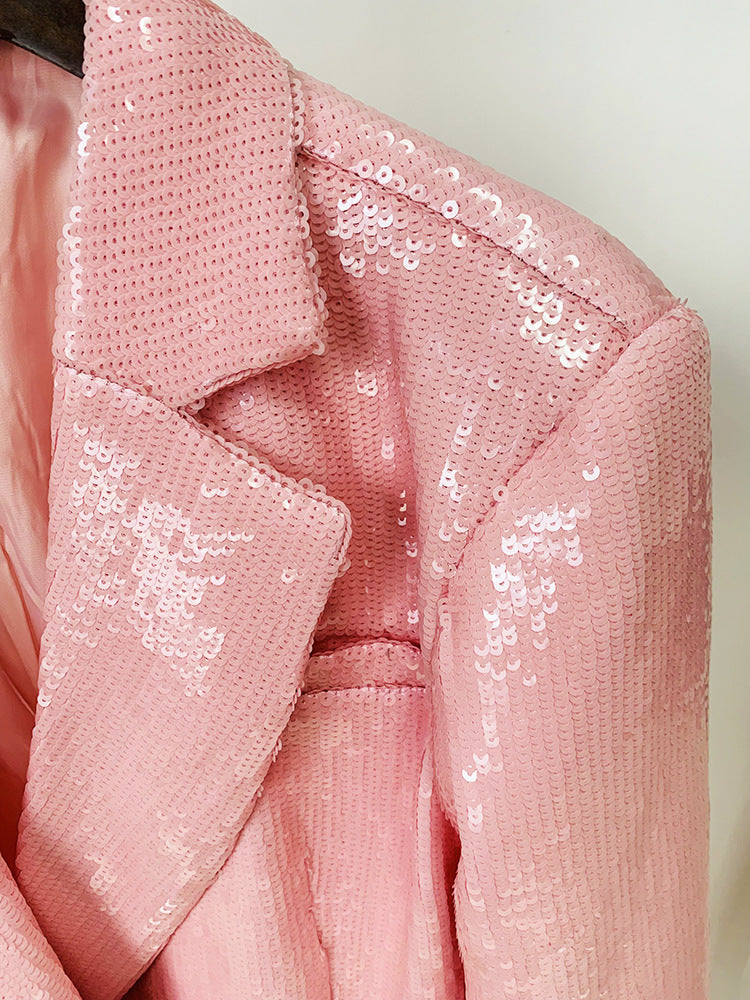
[637, 115]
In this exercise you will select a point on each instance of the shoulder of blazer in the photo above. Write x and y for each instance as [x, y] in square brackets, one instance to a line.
[187, 259]
[541, 232]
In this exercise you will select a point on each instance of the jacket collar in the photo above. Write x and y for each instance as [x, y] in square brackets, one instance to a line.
[193, 265]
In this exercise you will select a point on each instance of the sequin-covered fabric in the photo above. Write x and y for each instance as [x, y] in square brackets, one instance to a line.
[28, 965]
[376, 638]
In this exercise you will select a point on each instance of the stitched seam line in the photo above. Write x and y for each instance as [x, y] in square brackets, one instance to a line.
[485, 517]
[376, 688]
[314, 154]
[374, 642]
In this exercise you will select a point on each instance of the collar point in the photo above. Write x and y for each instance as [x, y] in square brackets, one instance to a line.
[175, 281]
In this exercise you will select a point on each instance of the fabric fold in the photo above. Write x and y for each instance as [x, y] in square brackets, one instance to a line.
[28, 965]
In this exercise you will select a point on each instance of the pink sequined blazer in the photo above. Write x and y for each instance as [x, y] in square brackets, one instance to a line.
[377, 598]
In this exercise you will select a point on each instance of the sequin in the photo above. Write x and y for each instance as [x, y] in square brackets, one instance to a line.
[440, 406]
[449, 209]
[82, 151]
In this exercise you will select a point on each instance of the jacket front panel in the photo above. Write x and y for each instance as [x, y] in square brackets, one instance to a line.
[379, 486]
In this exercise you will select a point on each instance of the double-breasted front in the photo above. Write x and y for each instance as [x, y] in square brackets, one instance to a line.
[377, 613]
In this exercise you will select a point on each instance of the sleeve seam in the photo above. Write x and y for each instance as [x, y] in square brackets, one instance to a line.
[676, 308]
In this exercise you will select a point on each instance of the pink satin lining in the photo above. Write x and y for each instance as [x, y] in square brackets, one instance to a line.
[38, 113]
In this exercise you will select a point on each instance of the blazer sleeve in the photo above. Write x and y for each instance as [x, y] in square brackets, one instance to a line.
[570, 694]
[29, 968]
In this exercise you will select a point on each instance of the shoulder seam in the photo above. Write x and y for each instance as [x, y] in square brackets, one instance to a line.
[484, 518]
[308, 150]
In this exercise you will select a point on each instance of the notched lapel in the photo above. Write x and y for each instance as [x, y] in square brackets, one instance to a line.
[185, 584]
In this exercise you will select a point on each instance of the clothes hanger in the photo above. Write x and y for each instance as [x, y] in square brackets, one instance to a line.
[52, 29]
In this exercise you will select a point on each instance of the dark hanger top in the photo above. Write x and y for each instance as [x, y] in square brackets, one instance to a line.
[52, 29]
